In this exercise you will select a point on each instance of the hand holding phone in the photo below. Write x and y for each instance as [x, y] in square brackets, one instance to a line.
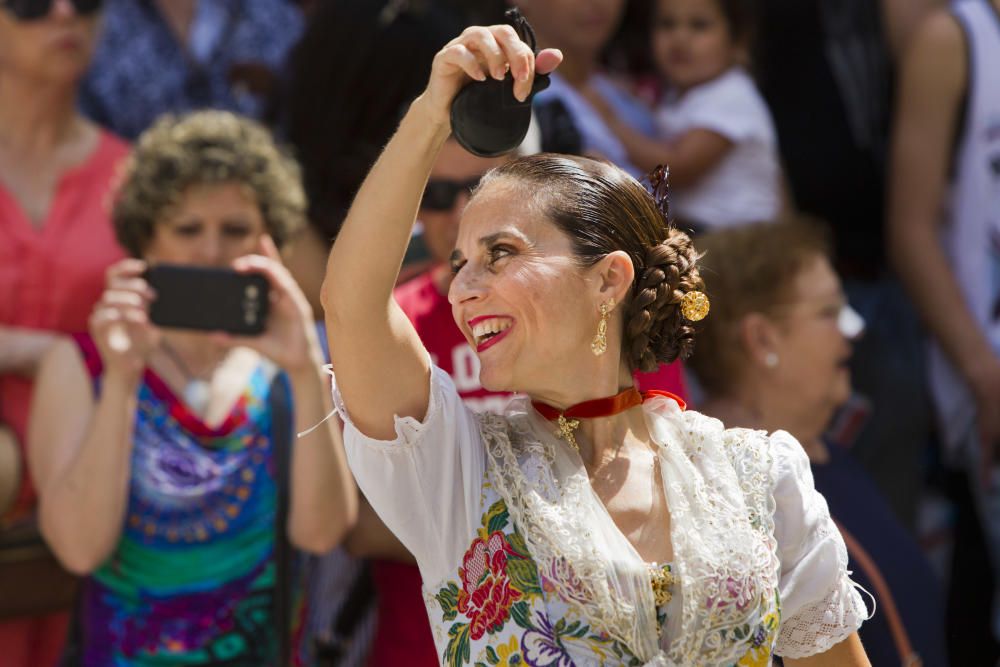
[208, 299]
[119, 323]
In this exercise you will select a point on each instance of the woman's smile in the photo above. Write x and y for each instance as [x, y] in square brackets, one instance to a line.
[488, 330]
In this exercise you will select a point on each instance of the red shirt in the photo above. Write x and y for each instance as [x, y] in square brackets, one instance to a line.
[51, 275]
[403, 633]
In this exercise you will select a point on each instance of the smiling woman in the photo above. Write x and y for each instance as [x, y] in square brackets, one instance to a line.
[540, 254]
[630, 531]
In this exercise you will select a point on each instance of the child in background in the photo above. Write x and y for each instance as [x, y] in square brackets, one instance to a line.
[716, 133]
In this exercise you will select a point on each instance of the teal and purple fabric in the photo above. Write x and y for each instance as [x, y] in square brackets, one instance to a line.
[191, 581]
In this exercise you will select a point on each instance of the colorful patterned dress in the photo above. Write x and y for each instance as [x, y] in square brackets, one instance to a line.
[191, 581]
[522, 565]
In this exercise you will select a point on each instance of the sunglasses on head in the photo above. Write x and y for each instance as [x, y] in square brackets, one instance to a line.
[33, 10]
[440, 195]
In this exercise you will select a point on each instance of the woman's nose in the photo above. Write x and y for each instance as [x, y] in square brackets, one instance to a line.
[210, 251]
[467, 285]
[62, 8]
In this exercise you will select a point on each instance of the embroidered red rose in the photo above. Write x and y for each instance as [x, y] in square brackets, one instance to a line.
[486, 595]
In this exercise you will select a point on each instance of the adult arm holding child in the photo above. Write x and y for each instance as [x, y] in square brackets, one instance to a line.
[690, 156]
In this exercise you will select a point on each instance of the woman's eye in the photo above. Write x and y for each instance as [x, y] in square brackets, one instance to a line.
[237, 232]
[456, 266]
[187, 230]
[499, 252]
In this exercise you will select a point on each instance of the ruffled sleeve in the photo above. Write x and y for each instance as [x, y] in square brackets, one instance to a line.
[820, 605]
[426, 483]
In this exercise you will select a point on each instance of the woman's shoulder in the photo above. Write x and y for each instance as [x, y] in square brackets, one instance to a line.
[750, 451]
[102, 166]
[701, 427]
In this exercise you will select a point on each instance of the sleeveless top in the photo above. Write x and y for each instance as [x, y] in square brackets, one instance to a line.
[51, 276]
[191, 581]
[971, 236]
[521, 563]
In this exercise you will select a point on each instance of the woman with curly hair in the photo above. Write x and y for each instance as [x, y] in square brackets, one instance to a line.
[154, 450]
[588, 524]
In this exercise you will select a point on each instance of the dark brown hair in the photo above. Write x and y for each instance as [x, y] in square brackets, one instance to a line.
[739, 16]
[749, 269]
[201, 148]
[739, 20]
[602, 209]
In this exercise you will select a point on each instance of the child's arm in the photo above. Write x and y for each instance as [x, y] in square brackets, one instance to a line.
[690, 156]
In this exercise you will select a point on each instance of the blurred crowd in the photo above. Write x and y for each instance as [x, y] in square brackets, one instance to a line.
[836, 161]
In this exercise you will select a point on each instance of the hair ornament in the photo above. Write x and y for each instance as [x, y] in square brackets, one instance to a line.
[660, 189]
[695, 306]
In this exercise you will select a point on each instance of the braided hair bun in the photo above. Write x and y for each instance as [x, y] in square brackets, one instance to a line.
[655, 330]
[602, 209]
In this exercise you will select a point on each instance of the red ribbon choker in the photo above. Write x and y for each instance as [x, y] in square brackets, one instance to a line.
[569, 419]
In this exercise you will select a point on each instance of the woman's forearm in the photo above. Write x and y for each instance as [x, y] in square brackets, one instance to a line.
[82, 509]
[10, 468]
[324, 499]
[21, 350]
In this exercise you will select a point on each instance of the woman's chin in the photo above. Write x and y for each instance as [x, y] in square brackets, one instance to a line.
[491, 380]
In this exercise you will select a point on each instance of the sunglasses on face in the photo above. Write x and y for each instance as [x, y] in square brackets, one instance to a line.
[440, 195]
[34, 10]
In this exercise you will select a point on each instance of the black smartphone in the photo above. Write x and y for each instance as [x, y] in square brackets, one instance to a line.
[208, 299]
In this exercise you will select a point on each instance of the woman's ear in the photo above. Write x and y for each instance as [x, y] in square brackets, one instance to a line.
[615, 274]
[760, 339]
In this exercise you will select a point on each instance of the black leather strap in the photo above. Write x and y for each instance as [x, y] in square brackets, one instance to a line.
[279, 401]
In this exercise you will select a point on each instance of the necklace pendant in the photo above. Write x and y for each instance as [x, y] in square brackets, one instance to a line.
[197, 394]
[662, 580]
[566, 428]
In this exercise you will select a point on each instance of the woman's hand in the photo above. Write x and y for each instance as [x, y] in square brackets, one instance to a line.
[290, 339]
[478, 53]
[119, 323]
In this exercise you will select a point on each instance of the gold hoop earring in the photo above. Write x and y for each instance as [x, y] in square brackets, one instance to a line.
[600, 343]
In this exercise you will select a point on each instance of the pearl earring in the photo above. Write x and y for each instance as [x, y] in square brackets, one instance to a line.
[771, 360]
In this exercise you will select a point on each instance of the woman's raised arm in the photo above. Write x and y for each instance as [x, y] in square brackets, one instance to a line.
[382, 368]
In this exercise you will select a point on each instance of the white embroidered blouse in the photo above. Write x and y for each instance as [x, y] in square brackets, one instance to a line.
[522, 564]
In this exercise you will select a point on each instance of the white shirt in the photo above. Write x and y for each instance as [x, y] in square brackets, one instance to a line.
[745, 187]
[741, 503]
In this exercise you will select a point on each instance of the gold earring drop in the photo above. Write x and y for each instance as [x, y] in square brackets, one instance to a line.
[600, 343]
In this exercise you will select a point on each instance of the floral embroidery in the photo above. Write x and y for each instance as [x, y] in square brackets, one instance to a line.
[761, 641]
[505, 655]
[486, 595]
[498, 607]
[496, 573]
[541, 647]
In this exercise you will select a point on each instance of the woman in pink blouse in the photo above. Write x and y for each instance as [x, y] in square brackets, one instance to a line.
[56, 169]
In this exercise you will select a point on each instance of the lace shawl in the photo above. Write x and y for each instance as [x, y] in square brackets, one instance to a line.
[717, 485]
